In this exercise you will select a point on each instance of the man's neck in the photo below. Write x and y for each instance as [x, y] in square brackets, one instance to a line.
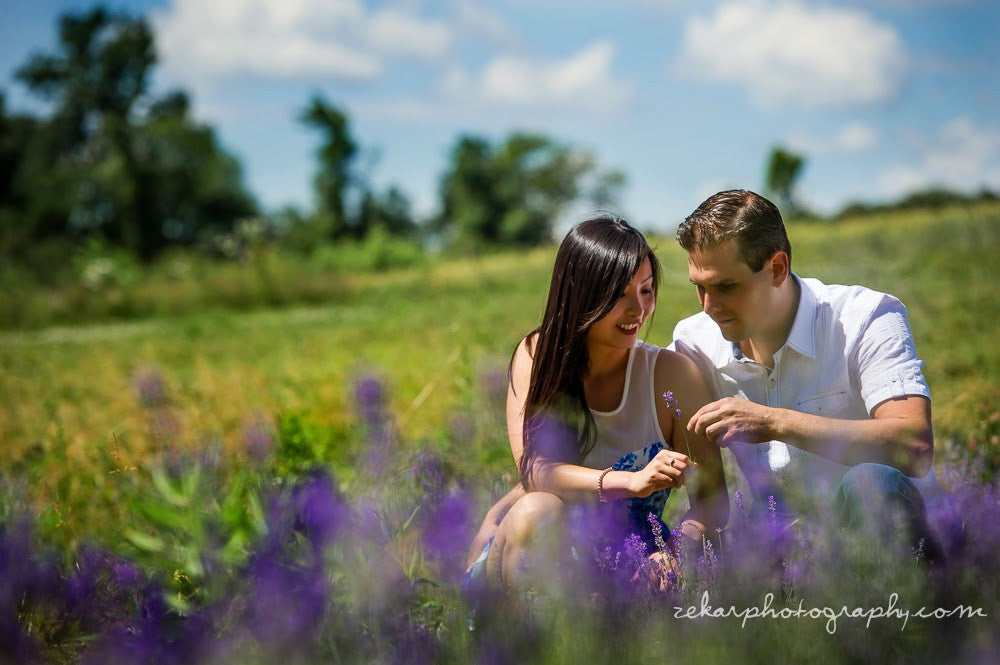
[762, 348]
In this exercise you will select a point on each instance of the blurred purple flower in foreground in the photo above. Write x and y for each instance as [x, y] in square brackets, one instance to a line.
[372, 405]
[320, 510]
[429, 471]
[259, 437]
[149, 386]
[447, 530]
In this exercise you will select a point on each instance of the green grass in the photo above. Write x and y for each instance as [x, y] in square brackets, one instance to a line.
[432, 333]
[170, 484]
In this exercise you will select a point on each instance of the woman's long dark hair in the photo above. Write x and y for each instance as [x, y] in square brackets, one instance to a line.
[595, 263]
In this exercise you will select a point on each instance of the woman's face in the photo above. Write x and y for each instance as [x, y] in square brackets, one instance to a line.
[619, 328]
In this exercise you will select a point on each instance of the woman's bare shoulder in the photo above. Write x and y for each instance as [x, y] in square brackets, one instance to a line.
[526, 347]
[524, 355]
[673, 366]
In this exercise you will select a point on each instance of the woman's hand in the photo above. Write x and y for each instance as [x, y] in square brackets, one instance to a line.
[663, 471]
[663, 572]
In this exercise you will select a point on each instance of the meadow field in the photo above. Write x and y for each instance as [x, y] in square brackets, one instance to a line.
[300, 481]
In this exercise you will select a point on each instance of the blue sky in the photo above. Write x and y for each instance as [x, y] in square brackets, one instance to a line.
[686, 97]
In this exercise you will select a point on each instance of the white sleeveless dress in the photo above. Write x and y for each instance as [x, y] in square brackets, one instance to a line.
[627, 439]
[629, 436]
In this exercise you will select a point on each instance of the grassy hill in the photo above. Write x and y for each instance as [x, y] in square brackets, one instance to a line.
[435, 332]
[144, 434]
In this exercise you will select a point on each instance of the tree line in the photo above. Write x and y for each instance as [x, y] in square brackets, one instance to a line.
[115, 161]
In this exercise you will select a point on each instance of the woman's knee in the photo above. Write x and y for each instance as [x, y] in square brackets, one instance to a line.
[532, 510]
[531, 513]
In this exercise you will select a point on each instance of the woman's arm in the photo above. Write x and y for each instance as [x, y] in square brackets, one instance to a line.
[572, 481]
[708, 493]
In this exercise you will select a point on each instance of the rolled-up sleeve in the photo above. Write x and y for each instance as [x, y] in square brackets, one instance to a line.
[886, 362]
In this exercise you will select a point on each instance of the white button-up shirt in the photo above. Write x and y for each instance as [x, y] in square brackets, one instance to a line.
[849, 349]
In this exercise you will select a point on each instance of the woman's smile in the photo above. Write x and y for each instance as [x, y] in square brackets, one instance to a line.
[628, 328]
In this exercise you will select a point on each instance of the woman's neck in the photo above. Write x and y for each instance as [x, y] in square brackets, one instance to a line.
[604, 381]
[604, 361]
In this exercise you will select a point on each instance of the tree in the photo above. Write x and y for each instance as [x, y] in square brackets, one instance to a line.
[783, 170]
[95, 81]
[515, 192]
[389, 211]
[112, 159]
[346, 204]
[335, 179]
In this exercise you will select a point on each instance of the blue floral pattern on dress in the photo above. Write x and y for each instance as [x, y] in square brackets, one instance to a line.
[640, 508]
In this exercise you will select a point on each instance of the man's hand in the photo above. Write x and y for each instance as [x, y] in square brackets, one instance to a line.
[734, 420]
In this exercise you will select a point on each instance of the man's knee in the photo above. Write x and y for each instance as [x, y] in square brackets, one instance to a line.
[881, 489]
[879, 480]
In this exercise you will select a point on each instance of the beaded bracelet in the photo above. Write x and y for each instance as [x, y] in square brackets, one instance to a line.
[600, 485]
[695, 525]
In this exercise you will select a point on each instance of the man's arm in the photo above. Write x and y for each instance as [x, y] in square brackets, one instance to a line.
[899, 433]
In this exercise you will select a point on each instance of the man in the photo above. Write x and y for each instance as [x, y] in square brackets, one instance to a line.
[819, 389]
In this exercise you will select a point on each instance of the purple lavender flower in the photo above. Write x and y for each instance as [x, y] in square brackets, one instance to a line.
[429, 471]
[446, 531]
[285, 603]
[320, 511]
[259, 437]
[672, 403]
[605, 563]
[372, 405]
[741, 507]
[634, 551]
[553, 438]
[657, 529]
[493, 384]
[150, 387]
[26, 577]
[370, 397]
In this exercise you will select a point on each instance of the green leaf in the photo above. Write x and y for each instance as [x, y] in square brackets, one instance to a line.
[166, 489]
[161, 514]
[144, 541]
[409, 520]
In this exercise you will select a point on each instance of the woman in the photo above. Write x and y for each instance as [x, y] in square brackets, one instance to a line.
[584, 414]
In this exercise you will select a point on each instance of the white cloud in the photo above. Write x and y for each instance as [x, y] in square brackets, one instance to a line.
[852, 138]
[856, 137]
[583, 80]
[477, 20]
[785, 52]
[962, 156]
[395, 31]
[292, 38]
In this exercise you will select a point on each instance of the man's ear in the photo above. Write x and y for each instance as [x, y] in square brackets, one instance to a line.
[780, 267]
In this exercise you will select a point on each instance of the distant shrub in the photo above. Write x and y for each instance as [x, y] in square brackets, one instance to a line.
[378, 251]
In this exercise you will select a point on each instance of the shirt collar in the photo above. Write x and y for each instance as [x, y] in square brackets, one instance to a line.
[802, 336]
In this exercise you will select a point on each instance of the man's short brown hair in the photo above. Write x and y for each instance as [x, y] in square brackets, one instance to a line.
[737, 214]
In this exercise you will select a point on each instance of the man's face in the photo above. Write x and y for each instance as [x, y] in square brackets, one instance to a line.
[738, 299]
